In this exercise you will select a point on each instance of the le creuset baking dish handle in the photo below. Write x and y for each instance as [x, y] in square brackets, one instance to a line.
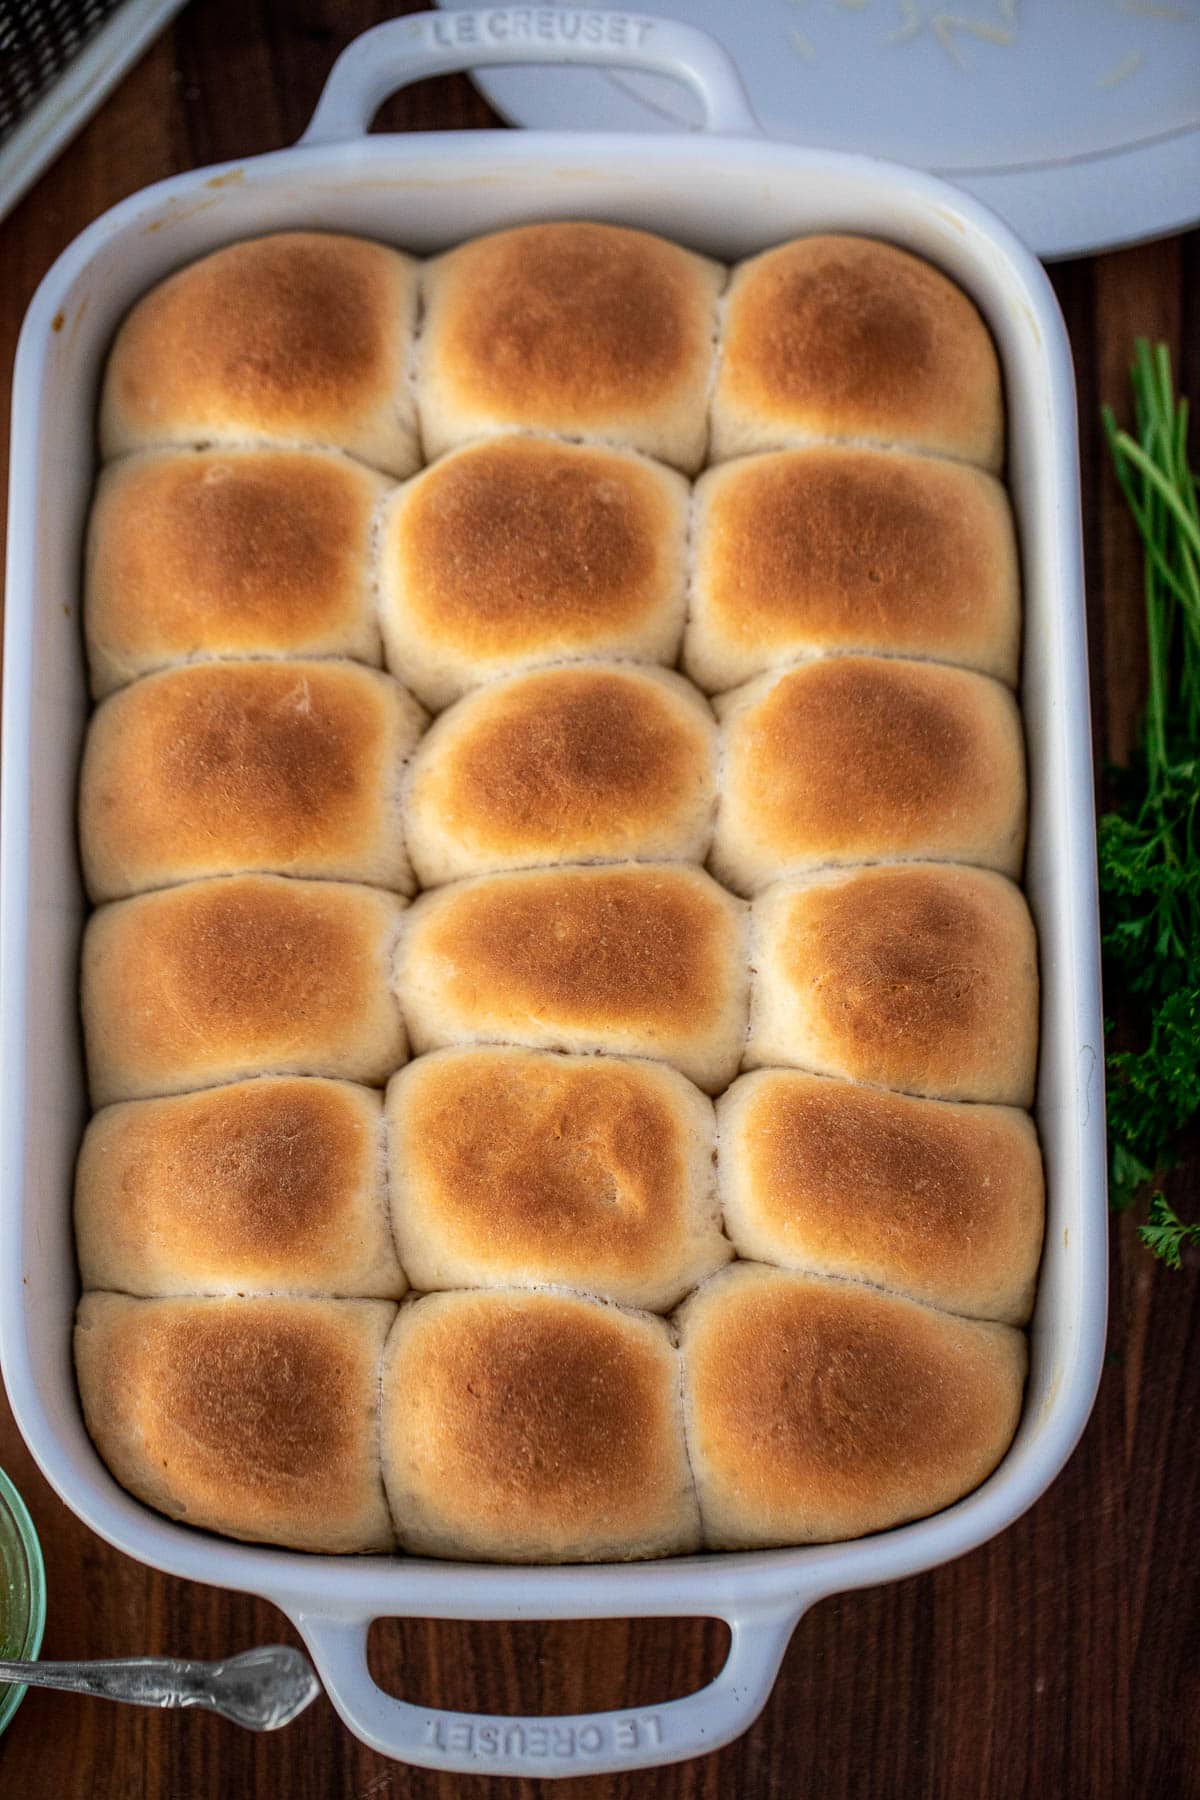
[405, 50]
[556, 1745]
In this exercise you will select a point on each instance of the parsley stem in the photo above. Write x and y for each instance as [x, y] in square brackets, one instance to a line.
[1142, 521]
[1169, 494]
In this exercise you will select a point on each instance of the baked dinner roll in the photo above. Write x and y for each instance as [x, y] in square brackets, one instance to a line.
[845, 337]
[300, 338]
[643, 959]
[270, 1186]
[256, 1418]
[594, 331]
[229, 553]
[520, 551]
[941, 1202]
[599, 762]
[819, 1410]
[838, 549]
[861, 758]
[223, 767]
[534, 1428]
[243, 975]
[516, 1167]
[912, 976]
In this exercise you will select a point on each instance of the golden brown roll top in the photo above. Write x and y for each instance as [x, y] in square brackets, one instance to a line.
[269, 1186]
[941, 1202]
[605, 762]
[520, 551]
[255, 1418]
[862, 758]
[230, 767]
[839, 549]
[913, 976]
[641, 959]
[846, 337]
[298, 338]
[594, 331]
[243, 975]
[534, 1428]
[213, 553]
[820, 1410]
[519, 1168]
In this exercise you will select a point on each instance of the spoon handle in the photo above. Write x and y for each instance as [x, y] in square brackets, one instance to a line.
[141, 1680]
[261, 1689]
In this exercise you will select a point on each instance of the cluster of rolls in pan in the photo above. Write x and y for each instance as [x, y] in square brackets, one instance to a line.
[558, 1004]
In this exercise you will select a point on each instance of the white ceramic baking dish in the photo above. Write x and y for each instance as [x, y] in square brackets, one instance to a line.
[729, 192]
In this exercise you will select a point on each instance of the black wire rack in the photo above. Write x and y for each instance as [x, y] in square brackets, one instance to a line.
[38, 40]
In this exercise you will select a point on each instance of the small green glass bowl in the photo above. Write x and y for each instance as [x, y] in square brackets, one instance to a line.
[22, 1591]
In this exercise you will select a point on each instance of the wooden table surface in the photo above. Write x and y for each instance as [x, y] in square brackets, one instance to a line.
[1062, 1659]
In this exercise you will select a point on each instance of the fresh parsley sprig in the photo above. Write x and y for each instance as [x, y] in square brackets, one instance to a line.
[1150, 841]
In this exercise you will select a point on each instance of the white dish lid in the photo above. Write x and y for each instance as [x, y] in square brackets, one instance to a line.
[1078, 121]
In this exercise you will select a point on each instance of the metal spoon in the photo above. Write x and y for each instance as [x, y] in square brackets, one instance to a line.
[261, 1689]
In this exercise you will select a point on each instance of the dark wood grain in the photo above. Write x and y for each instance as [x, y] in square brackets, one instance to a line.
[1063, 1659]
